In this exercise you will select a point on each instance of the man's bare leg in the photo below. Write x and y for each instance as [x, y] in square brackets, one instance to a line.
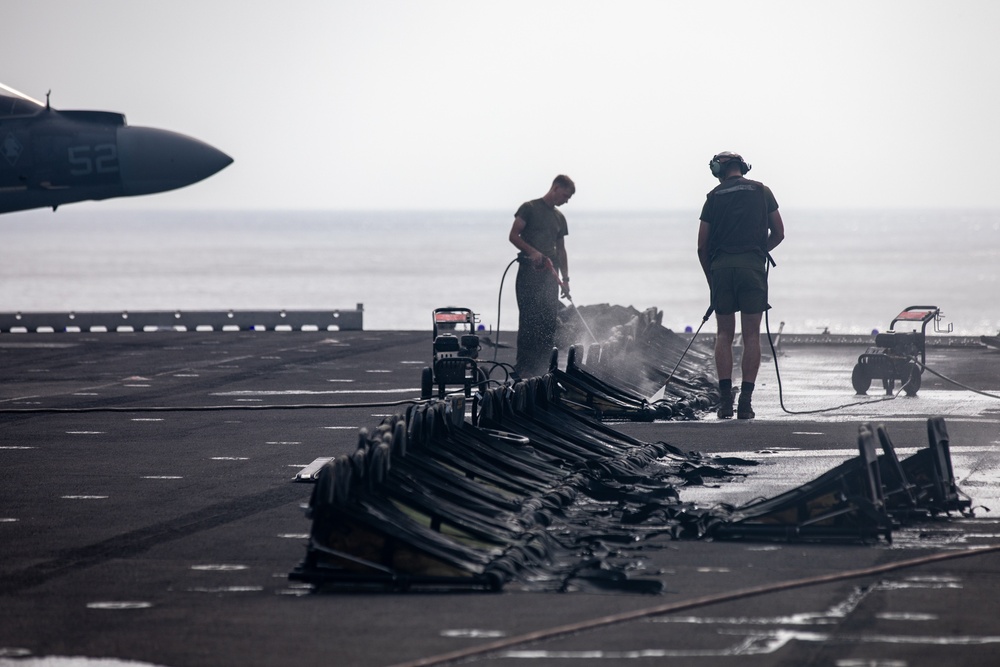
[750, 366]
[724, 361]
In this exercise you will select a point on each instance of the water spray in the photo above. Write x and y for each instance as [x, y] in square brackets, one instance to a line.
[662, 390]
[565, 295]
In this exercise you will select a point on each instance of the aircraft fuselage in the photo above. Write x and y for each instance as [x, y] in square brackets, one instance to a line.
[49, 157]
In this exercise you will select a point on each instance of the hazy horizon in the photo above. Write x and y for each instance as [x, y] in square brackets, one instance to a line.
[444, 104]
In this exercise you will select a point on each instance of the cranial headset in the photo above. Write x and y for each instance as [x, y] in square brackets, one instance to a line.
[719, 163]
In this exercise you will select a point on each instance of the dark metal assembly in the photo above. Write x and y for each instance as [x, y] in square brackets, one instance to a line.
[456, 349]
[895, 353]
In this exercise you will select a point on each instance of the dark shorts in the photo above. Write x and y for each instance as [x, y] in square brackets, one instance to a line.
[739, 289]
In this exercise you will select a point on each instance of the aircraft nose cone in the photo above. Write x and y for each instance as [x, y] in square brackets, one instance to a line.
[155, 160]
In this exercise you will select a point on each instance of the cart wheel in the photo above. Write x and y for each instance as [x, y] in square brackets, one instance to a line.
[913, 385]
[860, 379]
[426, 383]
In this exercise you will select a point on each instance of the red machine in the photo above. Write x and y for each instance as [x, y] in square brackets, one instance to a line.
[456, 350]
[894, 355]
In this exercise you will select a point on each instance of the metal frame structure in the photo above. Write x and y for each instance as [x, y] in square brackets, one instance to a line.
[895, 353]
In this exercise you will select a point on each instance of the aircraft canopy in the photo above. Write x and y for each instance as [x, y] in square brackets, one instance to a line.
[13, 103]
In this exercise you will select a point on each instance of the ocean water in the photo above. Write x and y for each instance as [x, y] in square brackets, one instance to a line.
[848, 271]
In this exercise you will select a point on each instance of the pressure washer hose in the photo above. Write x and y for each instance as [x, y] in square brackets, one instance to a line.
[496, 348]
[694, 603]
[708, 314]
[954, 382]
[781, 394]
[548, 263]
[781, 398]
[777, 373]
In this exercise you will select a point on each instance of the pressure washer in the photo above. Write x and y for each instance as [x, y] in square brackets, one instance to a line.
[777, 372]
[893, 357]
[455, 346]
[895, 351]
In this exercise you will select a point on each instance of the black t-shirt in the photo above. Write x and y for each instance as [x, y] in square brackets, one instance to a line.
[543, 225]
[737, 213]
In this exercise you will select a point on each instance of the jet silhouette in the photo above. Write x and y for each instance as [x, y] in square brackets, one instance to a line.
[49, 157]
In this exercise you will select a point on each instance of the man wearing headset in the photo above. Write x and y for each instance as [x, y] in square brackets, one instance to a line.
[740, 225]
[538, 232]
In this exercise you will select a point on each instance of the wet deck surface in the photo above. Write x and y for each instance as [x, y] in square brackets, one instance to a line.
[165, 533]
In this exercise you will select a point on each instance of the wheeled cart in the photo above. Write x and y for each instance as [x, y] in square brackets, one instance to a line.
[895, 353]
[456, 349]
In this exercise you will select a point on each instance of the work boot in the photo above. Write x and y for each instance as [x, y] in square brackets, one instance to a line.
[743, 410]
[725, 407]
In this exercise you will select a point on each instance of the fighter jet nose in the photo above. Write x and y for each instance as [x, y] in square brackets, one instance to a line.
[155, 160]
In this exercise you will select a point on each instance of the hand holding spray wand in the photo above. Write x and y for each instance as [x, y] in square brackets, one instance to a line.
[565, 295]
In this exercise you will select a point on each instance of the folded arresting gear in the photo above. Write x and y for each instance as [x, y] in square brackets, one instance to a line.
[861, 499]
[647, 367]
[845, 504]
[922, 485]
[644, 357]
[374, 524]
[430, 500]
[641, 478]
[607, 400]
[602, 399]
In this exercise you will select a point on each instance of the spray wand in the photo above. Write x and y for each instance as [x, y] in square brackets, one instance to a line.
[663, 390]
[565, 294]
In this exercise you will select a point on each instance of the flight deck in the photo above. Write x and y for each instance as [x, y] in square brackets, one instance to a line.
[149, 512]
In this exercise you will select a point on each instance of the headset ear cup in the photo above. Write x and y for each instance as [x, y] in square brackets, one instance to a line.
[718, 166]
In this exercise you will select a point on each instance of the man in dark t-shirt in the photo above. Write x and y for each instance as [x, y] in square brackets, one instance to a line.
[740, 225]
[538, 233]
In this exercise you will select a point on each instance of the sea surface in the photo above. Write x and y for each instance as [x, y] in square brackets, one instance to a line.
[846, 271]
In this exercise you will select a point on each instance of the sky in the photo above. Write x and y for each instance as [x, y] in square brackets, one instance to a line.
[458, 104]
